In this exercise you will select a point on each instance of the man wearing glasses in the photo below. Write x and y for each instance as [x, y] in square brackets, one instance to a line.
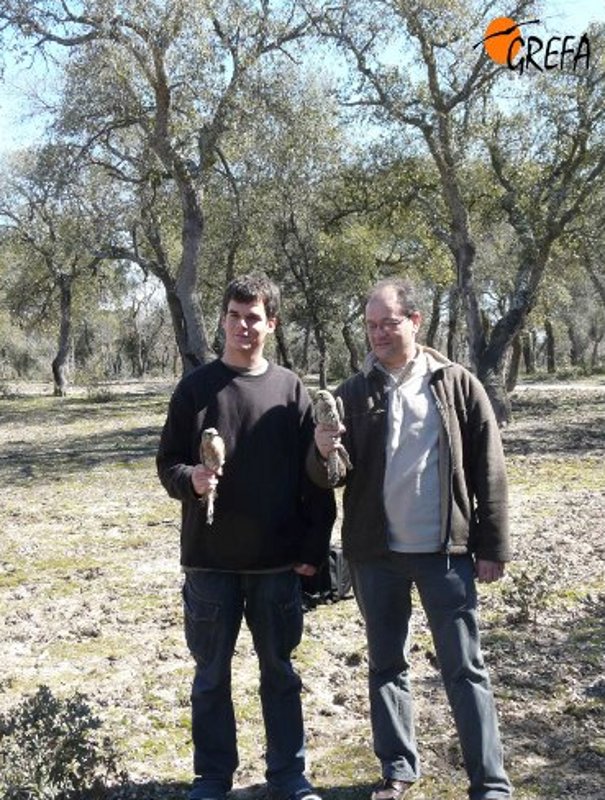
[425, 504]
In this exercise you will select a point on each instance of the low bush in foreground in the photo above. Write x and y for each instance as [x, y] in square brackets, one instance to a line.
[51, 749]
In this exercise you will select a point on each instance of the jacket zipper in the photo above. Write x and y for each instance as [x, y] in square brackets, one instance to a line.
[447, 544]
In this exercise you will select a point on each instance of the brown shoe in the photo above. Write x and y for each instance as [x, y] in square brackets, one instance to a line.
[390, 789]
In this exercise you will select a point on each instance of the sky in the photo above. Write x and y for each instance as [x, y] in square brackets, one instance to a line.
[18, 127]
[571, 16]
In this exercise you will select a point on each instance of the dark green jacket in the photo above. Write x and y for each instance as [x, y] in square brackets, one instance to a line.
[474, 495]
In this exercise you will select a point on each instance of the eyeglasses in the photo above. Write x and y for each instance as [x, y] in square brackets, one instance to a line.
[385, 325]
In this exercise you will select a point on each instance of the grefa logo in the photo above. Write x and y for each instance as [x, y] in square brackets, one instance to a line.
[505, 44]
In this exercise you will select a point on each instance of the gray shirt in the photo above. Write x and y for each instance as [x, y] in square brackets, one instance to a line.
[411, 481]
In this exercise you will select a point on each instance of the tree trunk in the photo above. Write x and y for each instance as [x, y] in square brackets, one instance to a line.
[351, 345]
[136, 357]
[551, 365]
[491, 365]
[597, 282]
[193, 340]
[512, 374]
[282, 347]
[181, 292]
[528, 342]
[492, 378]
[596, 333]
[433, 327]
[577, 346]
[594, 359]
[186, 316]
[218, 343]
[322, 351]
[59, 363]
[452, 323]
[306, 347]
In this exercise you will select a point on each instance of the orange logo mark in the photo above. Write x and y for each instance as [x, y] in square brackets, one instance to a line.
[502, 40]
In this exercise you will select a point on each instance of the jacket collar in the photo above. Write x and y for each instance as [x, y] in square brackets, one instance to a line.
[435, 361]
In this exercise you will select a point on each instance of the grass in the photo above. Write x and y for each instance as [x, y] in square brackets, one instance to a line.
[552, 475]
[89, 600]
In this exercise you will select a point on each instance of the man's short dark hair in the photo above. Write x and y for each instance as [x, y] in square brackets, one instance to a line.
[253, 287]
[406, 294]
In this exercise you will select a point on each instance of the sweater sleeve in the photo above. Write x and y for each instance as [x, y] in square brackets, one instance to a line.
[316, 467]
[173, 460]
[318, 507]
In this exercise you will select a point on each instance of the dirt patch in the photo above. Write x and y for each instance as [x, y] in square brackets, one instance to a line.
[90, 602]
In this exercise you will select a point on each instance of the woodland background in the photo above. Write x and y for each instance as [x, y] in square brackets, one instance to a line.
[328, 144]
[192, 140]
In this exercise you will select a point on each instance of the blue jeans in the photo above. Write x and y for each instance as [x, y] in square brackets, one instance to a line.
[447, 591]
[214, 605]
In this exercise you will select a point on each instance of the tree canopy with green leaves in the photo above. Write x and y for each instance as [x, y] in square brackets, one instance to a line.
[330, 146]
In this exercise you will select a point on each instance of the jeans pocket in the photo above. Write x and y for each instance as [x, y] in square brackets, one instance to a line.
[201, 624]
[292, 623]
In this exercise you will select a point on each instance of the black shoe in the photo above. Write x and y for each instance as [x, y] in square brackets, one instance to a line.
[390, 789]
[304, 794]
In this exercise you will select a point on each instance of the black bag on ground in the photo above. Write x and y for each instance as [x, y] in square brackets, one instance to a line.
[331, 582]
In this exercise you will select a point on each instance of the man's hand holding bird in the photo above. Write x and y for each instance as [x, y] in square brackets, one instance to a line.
[205, 475]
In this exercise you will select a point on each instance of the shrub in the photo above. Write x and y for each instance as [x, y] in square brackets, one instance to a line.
[50, 749]
[6, 393]
[99, 394]
[527, 592]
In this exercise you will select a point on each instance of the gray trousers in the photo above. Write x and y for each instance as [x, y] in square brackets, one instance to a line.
[446, 586]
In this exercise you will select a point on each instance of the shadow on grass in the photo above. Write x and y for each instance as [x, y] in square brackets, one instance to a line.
[22, 461]
[260, 792]
[581, 429]
[358, 792]
[152, 790]
[52, 456]
[179, 791]
[564, 742]
[52, 411]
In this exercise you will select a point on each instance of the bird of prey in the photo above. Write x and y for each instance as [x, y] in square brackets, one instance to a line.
[328, 410]
[212, 456]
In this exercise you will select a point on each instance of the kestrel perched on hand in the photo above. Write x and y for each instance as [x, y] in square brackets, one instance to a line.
[212, 456]
[328, 410]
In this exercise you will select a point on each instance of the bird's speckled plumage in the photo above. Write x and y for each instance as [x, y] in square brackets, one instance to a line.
[212, 456]
[328, 410]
